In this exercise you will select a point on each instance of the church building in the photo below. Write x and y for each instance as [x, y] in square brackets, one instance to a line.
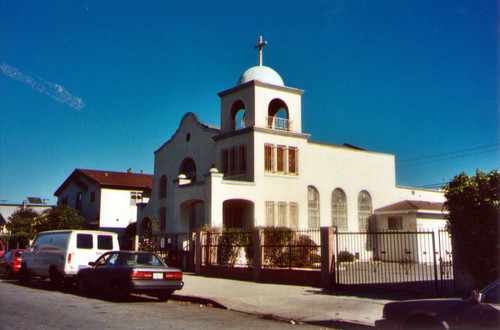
[260, 169]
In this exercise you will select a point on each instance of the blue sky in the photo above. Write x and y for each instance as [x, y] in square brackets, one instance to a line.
[103, 84]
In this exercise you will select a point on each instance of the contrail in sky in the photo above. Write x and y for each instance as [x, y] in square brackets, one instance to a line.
[55, 91]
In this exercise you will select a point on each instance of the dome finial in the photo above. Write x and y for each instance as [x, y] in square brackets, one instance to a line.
[259, 46]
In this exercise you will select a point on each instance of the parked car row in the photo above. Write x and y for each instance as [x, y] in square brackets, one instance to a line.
[92, 259]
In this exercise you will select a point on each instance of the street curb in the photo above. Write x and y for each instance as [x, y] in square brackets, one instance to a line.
[198, 300]
[338, 323]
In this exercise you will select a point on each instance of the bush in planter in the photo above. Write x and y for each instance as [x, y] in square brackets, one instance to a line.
[345, 256]
[230, 242]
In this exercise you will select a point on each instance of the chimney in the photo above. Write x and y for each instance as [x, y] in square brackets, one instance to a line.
[129, 170]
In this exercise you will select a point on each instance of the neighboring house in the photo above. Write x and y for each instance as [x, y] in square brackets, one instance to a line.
[260, 169]
[7, 209]
[106, 200]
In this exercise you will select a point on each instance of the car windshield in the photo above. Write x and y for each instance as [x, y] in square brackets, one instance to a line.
[142, 259]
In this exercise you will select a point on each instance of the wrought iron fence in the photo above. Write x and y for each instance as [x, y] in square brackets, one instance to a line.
[409, 261]
[173, 248]
[226, 248]
[291, 248]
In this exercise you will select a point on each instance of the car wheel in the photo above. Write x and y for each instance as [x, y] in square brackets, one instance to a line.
[83, 286]
[164, 296]
[24, 274]
[55, 277]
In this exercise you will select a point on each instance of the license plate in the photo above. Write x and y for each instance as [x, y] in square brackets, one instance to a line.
[157, 276]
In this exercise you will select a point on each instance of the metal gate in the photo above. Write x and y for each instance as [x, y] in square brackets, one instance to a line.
[405, 261]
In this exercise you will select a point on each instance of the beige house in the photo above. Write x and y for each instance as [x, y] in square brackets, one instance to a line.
[260, 169]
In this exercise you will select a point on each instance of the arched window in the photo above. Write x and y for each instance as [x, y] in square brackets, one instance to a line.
[364, 210]
[188, 168]
[339, 209]
[313, 207]
[162, 192]
[278, 116]
[238, 115]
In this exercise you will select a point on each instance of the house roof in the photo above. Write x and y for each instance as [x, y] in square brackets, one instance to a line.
[123, 180]
[406, 206]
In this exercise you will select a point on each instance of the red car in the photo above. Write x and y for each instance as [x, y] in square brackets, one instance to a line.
[10, 263]
[2, 249]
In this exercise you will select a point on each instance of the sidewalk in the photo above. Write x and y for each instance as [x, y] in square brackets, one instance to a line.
[289, 302]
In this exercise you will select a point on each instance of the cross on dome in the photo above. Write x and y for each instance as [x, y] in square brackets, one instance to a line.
[259, 46]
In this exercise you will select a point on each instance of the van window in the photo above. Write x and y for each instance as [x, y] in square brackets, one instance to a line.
[41, 240]
[104, 242]
[59, 240]
[84, 241]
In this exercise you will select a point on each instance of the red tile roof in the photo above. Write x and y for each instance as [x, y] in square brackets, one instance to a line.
[411, 205]
[122, 180]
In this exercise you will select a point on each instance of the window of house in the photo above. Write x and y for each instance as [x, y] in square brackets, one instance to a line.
[135, 197]
[243, 158]
[162, 192]
[225, 161]
[233, 160]
[64, 201]
[188, 168]
[364, 210]
[92, 196]
[292, 160]
[268, 157]
[282, 206]
[294, 215]
[280, 155]
[395, 223]
[339, 209]
[313, 207]
[270, 214]
[79, 201]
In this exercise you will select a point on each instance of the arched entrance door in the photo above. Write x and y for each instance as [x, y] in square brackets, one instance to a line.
[238, 213]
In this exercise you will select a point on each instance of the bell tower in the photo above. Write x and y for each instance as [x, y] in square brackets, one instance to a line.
[261, 100]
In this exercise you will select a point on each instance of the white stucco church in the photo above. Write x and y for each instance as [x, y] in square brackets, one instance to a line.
[260, 169]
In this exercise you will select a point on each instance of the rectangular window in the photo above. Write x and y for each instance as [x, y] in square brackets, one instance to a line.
[294, 215]
[395, 223]
[292, 160]
[280, 155]
[104, 242]
[79, 201]
[92, 196]
[84, 241]
[270, 214]
[268, 157]
[225, 161]
[282, 214]
[243, 158]
[232, 160]
[135, 197]
[64, 201]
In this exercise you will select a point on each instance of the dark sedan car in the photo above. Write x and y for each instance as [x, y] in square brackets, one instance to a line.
[481, 311]
[121, 273]
[10, 263]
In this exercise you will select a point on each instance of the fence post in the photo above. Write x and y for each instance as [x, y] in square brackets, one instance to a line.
[197, 253]
[327, 257]
[257, 253]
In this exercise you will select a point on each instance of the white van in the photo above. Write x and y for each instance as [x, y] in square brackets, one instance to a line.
[59, 254]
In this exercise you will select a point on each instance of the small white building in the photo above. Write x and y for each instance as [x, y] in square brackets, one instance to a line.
[106, 200]
[7, 209]
[260, 169]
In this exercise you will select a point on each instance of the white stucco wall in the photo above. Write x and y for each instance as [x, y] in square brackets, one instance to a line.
[116, 210]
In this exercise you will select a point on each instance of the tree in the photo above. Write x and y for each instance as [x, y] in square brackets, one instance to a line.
[22, 220]
[21, 226]
[59, 217]
[473, 223]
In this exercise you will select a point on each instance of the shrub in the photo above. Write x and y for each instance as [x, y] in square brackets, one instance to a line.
[345, 256]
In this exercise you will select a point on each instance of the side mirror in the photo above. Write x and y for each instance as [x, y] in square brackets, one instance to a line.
[91, 263]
